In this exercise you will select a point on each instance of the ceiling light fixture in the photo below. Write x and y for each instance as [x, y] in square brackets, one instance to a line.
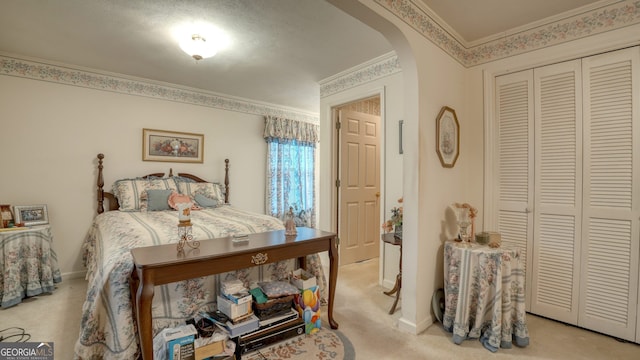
[198, 48]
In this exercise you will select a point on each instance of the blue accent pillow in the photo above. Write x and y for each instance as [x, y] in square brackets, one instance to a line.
[158, 200]
[205, 202]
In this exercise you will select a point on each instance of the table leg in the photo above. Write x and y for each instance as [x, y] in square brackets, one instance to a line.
[144, 298]
[133, 288]
[396, 289]
[333, 276]
[302, 262]
[397, 286]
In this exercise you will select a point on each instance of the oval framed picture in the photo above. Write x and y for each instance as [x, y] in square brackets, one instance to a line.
[447, 137]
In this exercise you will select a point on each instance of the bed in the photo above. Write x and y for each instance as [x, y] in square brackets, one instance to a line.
[134, 218]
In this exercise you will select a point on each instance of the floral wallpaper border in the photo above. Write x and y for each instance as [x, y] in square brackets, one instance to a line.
[380, 67]
[596, 21]
[11, 66]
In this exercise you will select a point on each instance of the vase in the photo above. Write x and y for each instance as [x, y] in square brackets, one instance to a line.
[398, 231]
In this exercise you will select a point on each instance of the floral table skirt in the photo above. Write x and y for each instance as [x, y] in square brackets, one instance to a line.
[28, 264]
[484, 295]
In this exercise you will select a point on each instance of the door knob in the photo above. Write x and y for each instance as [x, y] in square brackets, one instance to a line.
[378, 194]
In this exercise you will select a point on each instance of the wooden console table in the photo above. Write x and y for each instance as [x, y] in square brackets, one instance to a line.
[161, 264]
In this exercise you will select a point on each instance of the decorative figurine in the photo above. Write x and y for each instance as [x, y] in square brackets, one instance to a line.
[290, 224]
[466, 215]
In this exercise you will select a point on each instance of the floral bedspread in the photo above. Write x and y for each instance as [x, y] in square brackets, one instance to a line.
[484, 295]
[28, 264]
[107, 329]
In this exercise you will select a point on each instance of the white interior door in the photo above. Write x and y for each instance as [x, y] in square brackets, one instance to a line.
[514, 105]
[610, 249]
[359, 212]
[557, 191]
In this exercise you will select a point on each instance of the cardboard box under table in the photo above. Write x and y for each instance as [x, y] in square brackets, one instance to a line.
[231, 309]
[210, 350]
[303, 279]
[180, 343]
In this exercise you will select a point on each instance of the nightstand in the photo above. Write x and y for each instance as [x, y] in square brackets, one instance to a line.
[28, 264]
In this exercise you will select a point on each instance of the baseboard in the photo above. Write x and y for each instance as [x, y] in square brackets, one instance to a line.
[412, 328]
[424, 324]
[74, 275]
[388, 284]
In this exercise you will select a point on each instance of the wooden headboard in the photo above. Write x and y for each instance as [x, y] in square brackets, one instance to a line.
[113, 201]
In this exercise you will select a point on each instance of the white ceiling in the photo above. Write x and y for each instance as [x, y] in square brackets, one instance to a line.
[477, 19]
[280, 48]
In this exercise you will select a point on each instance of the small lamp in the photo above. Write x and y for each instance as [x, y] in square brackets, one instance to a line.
[185, 230]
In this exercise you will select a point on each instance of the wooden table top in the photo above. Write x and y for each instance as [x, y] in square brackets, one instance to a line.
[161, 255]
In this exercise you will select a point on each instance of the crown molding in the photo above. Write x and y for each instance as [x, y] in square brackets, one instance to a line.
[48, 71]
[371, 70]
[586, 21]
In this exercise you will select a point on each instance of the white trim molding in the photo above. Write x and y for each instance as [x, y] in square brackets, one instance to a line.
[371, 70]
[586, 21]
[74, 76]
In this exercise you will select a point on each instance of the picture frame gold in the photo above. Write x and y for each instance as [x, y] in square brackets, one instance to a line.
[172, 146]
[30, 215]
[447, 137]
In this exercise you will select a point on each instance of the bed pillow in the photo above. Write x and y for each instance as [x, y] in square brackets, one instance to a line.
[175, 199]
[209, 190]
[132, 193]
[205, 202]
[158, 200]
[276, 289]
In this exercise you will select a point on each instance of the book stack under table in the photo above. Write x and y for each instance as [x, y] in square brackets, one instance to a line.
[257, 318]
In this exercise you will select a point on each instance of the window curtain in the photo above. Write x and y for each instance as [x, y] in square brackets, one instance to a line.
[291, 168]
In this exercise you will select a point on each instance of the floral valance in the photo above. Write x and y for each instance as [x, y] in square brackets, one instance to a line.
[287, 129]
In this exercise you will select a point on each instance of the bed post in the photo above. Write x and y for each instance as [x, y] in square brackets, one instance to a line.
[226, 181]
[100, 185]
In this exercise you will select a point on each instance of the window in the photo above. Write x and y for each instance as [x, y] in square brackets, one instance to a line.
[291, 169]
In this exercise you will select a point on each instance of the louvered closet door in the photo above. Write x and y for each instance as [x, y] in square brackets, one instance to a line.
[609, 276]
[514, 110]
[557, 191]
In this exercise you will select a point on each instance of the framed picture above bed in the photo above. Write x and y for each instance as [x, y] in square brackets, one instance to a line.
[173, 146]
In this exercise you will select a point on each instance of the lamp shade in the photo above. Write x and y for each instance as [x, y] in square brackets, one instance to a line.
[198, 47]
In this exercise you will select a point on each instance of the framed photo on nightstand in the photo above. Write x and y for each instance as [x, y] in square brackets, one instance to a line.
[31, 214]
[6, 216]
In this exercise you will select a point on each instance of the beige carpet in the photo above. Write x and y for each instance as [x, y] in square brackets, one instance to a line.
[361, 309]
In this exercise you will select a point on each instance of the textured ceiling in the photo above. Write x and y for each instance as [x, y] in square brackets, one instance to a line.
[477, 19]
[280, 48]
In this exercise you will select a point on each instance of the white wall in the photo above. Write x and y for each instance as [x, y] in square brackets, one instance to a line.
[390, 89]
[51, 133]
[431, 80]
